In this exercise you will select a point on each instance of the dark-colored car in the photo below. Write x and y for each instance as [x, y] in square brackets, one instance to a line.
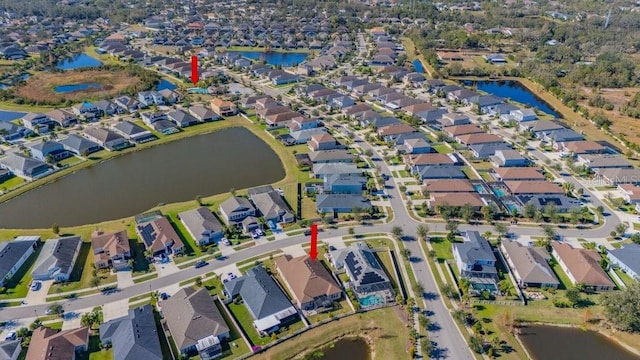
[201, 263]
[307, 232]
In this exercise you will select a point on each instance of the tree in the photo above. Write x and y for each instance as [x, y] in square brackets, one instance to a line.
[427, 347]
[57, 309]
[199, 199]
[448, 291]
[35, 324]
[506, 287]
[501, 228]
[622, 307]
[351, 231]
[575, 214]
[424, 321]
[529, 210]
[487, 213]
[423, 232]
[419, 288]
[476, 344]
[622, 228]
[397, 232]
[549, 231]
[452, 226]
[55, 228]
[568, 187]
[466, 213]
[573, 296]
[95, 281]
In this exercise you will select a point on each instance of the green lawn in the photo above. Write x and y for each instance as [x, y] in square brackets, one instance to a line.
[565, 283]
[626, 279]
[442, 247]
[11, 183]
[70, 161]
[470, 174]
[145, 278]
[244, 319]
[140, 262]
[18, 285]
[190, 247]
[339, 307]
[385, 259]
[235, 346]
[214, 287]
[95, 352]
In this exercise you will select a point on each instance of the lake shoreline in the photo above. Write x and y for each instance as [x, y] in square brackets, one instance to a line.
[366, 338]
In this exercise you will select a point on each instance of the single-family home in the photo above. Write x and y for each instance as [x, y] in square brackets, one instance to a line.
[280, 77]
[170, 96]
[538, 127]
[133, 132]
[203, 114]
[264, 299]
[270, 204]
[523, 115]
[596, 162]
[322, 141]
[414, 146]
[62, 118]
[481, 138]
[111, 249]
[555, 137]
[344, 184]
[341, 203]
[236, 210]
[495, 59]
[537, 187]
[158, 235]
[574, 148]
[630, 193]
[627, 259]
[223, 107]
[331, 156]
[320, 171]
[48, 344]
[37, 122]
[133, 336]
[14, 253]
[582, 266]
[24, 166]
[80, 145]
[108, 108]
[149, 98]
[302, 123]
[447, 186]
[108, 139]
[10, 131]
[561, 202]
[518, 174]
[456, 130]
[455, 199]
[127, 104]
[56, 259]
[476, 261]
[10, 349]
[311, 284]
[508, 158]
[181, 118]
[203, 226]
[366, 274]
[418, 161]
[391, 132]
[487, 150]
[48, 149]
[615, 176]
[432, 116]
[439, 172]
[195, 323]
[86, 110]
[303, 136]
[529, 265]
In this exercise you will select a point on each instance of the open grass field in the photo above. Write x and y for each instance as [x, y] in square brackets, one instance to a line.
[40, 86]
[384, 328]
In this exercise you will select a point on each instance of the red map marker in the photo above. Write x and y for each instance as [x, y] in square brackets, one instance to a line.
[194, 69]
[314, 242]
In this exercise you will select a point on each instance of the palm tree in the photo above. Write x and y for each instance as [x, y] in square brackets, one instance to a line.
[506, 287]
[568, 187]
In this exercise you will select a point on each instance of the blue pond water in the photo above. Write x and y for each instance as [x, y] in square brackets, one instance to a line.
[164, 84]
[417, 64]
[10, 115]
[515, 91]
[274, 58]
[75, 87]
[78, 61]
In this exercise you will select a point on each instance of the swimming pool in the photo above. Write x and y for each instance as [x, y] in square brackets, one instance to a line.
[511, 206]
[198, 90]
[371, 300]
[500, 192]
[480, 189]
[483, 286]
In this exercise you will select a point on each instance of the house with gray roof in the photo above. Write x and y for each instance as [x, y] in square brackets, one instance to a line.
[182, 119]
[271, 205]
[430, 172]
[529, 265]
[48, 148]
[108, 139]
[80, 145]
[340, 203]
[486, 150]
[326, 169]
[203, 226]
[235, 210]
[344, 184]
[627, 259]
[134, 132]
[10, 131]
[14, 253]
[366, 274]
[476, 261]
[203, 114]
[57, 259]
[195, 323]
[10, 349]
[331, 156]
[24, 166]
[263, 298]
[134, 336]
[302, 136]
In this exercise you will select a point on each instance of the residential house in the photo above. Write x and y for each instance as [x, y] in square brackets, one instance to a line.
[24, 166]
[10, 349]
[555, 137]
[170, 97]
[49, 344]
[365, 272]
[127, 104]
[455, 199]
[487, 150]
[375, 120]
[483, 138]
[302, 123]
[57, 259]
[537, 187]
[518, 174]
[597, 162]
[440, 172]
[331, 156]
[203, 226]
[341, 203]
[476, 261]
[630, 193]
[561, 202]
[574, 148]
[62, 118]
[582, 266]
[236, 210]
[134, 132]
[181, 118]
[149, 98]
[203, 114]
[508, 158]
[133, 336]
[303, 136]
[322, 141]
[414, 146]
[195, 323]
[320, 171]
[433, 116]
[108, 108]
[79, 145]
[108, 139]
[223, 108]
[529, 265]
[523, 115]
[311, 284]
[281, 119]
[615, 176]
[14, 253]
[39, 123]
[455, 130]
[264, 299]
[280, 77]
[48, 149]
[391, 132]
[447, 186]
[111, 249]
[539, 127]
[10, 132]
[158, 235]
[344, 184]
[627, 259]
[271, 205]
[418, 161]
[341, 102]
[86, 110]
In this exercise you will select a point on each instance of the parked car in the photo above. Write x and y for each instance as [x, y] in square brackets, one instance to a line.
[307, 232]
[11, 336]
[36, 285]
[164, 296]
[201, 263]
[232, 276]
[226, 241]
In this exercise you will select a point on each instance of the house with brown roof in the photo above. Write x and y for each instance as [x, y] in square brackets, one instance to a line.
[529, 265]
[429, 159]
[533, 187]
[51, 344]
[356, 109]
[580, 147]
[582, 266]
[456, 130]
[630, 193]
[223, 107]
[281, 119]
[312, 285]
[111, 249]
[322, 141]
[447, 186]
[518, 174]
[158, 235]
[615, 176]
[458, 199]
[391, 132]
[417, 108]
[479, 138]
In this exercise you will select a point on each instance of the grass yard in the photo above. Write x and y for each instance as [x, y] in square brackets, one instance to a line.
[18, 286]
[565, 283]
[626, 279]
[339, 307]
[469, 173]
[140, 262]
[384, 329]
[95, 352]
[385, 259]
[244, 319]
[70, 161]
[81, 279]
[145, 278]
[442, 247]
[11, 183]
[214, 287]
[235, 346]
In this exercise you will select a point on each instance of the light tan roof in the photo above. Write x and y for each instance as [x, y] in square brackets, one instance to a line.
[396, 129]
[447, 185]
[583, 264]
[530, 263]
[519, 173]
[631, 189]
[412, 109]
[533, 187]
[580, 147]
[429, 159]
[221, 103]
[49, 344]
[479, 138]
[456, 199]
[307, 279]
[322, 138]
[456, 130]
[112, 243]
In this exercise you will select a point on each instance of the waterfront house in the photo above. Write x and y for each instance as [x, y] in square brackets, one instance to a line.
[108, 139]
[264, 299]
[322, 141]
[322, 170]
[302, 123]
[151, 117]
[181, 118]
[344, 184]
[303, 136]
[203, 114]
[14, 253]
[111, 250]
[149, 98]
[311, 284]
[170, 97]
[203, 226]
[236, 209]
[627, 259]
[10, 349]
[133, 132]
[37, 122]
[80, 145]
[539, 127]
[48, 344]
[86, 110]
[24, 166]
[476, 261]
[223, 108]
[108, 108]
[280, 77]
[133, 336]
[331, 156]
[195, 323]
[334, 204]
[529, 265]
[48, 149]
[62, 118]
[271, 205]
[522, 115]
[573, 148]
[158, 235]
[582, 266]
[57, 259]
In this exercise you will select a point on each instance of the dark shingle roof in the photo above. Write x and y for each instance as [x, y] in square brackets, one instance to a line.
[134, 337]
